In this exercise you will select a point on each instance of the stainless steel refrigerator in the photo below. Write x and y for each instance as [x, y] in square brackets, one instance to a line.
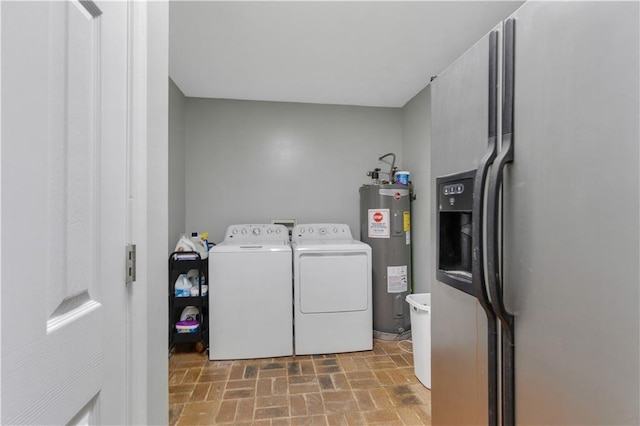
[536, 227]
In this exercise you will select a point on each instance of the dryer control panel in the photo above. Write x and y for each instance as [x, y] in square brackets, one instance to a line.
[321, 231]
[257, 233]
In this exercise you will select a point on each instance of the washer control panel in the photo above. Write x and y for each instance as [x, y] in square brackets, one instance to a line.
[257, 233]
[322, 231]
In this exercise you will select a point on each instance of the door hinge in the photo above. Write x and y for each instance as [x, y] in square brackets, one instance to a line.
[131, 263]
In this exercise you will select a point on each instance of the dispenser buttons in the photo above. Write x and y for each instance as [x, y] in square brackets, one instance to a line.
[453, 189]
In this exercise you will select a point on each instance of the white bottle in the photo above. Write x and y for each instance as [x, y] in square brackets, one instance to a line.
[200, 245]
[183, 286]
[185, 244]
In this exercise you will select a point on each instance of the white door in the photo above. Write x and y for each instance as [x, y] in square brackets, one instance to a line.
[63, 193]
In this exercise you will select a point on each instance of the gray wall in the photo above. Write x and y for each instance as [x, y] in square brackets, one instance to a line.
[177, 198]
[251, 162]
[299, 161]
[416, 149]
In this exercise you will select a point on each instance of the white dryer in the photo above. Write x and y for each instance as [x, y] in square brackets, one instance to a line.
[332, 290]
[250, 294]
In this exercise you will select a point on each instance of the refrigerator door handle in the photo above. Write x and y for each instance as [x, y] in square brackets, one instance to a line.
[495, 183]
[494, 277]
[477, 234]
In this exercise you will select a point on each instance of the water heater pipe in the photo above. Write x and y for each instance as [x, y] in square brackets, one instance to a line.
[393, 163]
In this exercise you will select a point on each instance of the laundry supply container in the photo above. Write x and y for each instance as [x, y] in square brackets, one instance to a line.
[421, 335]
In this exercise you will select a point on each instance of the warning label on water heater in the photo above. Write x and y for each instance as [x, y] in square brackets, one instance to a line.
[379, 223]
[397, 279]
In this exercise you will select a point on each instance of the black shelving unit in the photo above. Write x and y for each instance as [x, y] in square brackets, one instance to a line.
[182, 262]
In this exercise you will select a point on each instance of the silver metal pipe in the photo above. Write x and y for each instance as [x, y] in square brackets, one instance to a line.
[393, 164]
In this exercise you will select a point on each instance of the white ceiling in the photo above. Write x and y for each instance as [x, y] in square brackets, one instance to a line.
[379, 53]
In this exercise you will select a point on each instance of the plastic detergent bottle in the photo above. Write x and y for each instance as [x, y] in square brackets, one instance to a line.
[183, 286]
[201, 248]
[185, 244]
[193, 276]
[205, 239]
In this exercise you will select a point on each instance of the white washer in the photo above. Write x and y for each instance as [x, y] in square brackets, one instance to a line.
[250, 294]
[332, 290]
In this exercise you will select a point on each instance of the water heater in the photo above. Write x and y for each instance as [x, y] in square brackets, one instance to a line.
[385, 224]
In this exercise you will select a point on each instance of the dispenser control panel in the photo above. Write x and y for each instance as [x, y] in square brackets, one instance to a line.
[453, 189]
[456, 194]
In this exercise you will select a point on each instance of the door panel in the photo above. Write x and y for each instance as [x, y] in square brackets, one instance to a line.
[459, 138]
[73, 172]
[64, 136]
[333, 282]
[571, 228]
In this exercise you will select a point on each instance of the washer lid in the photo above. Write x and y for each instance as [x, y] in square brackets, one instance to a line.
[251, 246]
[330, 245]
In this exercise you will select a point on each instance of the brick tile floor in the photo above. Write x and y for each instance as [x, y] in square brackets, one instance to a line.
[357, 388]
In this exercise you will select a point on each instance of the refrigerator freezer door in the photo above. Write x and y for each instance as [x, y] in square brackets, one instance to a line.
[459, 99]
[571, 209]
